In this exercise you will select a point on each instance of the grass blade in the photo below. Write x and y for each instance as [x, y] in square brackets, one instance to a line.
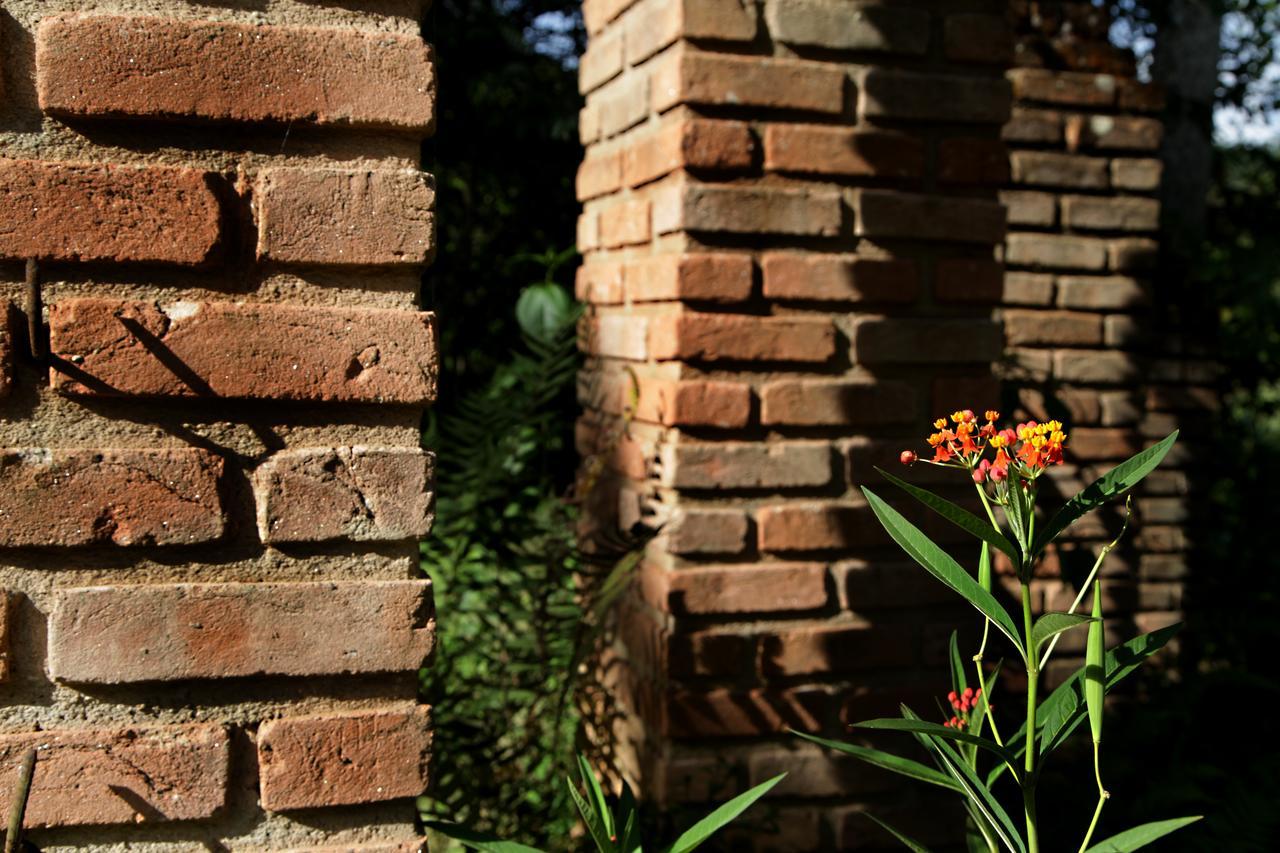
[1141, 836]
[714, 822]
[888, 761]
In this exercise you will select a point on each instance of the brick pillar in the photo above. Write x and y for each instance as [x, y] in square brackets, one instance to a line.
[1088, 339]
[211, 486]
[790, 224]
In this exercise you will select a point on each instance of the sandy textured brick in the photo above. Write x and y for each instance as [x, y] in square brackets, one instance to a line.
[98, 212]
[127, 634]
[708, 79]
[1095, 213]
[838, 278]
[349, 217]
[815, 526]
[242, 350]
[1036, 209]
[1138, 174]
[747, 465]
[1053, 169]
[90, 777]
[1056, 251]
[1095, 367]
[1065, 328]
[623, 103]
[694, 336]
[833, 402]
[748, 210]
[358, 493]
[417, 845]
[826, 150]
[344, 759]
[694, 402]
[598, 174]
[881, 340]
[1036, 127]
[1113, 292]
[655, 24]
[616, 336]
[7, 344]
[1026, 288]
[1117, 133]
[599, 283]
[885, 213]
[625, 223]
[597, 13]
[1068, 88]
[711, 276]
[841, 27]
[888, 93]
[601, 61]
[692, 144]
[66, 498]
[6, 604]
[156, 67]
[697, 530]
[752, 588]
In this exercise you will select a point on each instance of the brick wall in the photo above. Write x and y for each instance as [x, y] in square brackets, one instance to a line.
[790, 227]
[211, 484]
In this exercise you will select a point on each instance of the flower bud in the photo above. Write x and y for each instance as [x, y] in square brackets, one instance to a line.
[999, 475]
[907, 457]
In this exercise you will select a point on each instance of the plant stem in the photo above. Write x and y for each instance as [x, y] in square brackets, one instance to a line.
[1033, 675]
[1103, 796]
[986, 705]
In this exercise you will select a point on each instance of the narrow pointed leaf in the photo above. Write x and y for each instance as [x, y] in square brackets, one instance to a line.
[958, 516]
[1141, 836]
[473, 840]
[1051, 624]
[906, 841]
[591, 819]
[937, 730]
[940, 564]
[888, 761]
[1115, 482]
[597, 798]
[712, 823]
[959, 681]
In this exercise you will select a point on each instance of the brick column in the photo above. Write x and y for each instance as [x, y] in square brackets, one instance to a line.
[790, 223]
[210, 477]
[1084, 321]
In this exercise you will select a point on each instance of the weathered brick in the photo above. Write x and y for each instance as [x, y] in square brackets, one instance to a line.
[616, 336]
[598, 174]
[870, 28]
[417, 845]
[699, 530]
[1124, 332]
[601, 61]
[978, 38]
[712, 276]
[6, 603]
[1063, 328]
[1037, 127]
[687, 206]
[343, 759]
[911, 96]
[747, 465]
[7, 312]
[623, 103]
[1115, 292]
[655, 24]
[880, 340]
[693, 402]
[626, 223]
[599, 282]
[347, 217]
[109, 347]
[968, 280]
[1095, 213]
[1132, 254]
[967, 160]
[1069, 88]
[836, 649]
[1025, 288]
[734, 337]
[1056, 251]
[749, 588]
[1039, 210]
[88, 212]
[597, 13]
[358, 493]
[838, 278]
[829, 150]
[692, 144]
[884, 213]
[1096, 367]
[133, 633]
[1117, 133]
[92, 777]
[1053, 169]
[691, 77]
[1092, 444]
[157, 67]
[1137, 174]
[827, 402]
[815, 526]
[64, 498]
[721, 712]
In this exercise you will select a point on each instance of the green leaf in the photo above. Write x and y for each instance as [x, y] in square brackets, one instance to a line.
[591, 819]
[940, 564]
[718, 819]
[1115, 482]
[958, 516]
[1095, 666]
[598, 802]
[937, 730]
[1141, 836]
[887, 761]
[473, 840]
[1052, 624]
[544, 310]
[906, 841]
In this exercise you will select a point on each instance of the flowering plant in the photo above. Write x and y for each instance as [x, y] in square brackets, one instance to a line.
[1005, 466]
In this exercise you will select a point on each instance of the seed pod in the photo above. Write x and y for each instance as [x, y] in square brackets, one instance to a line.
[1094, 673]
[984, 568]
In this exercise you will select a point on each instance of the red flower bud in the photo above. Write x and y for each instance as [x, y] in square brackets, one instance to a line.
[999, 475]
[907, 457]
[951, 697]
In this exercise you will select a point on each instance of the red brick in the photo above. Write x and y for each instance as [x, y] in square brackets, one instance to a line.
[1113, 292]
[1036, 209]
[832, 649]
[838, 278]
[357, 493]
[1095, 367]
[747, 465]
[244, 350]
[625, 223]
[815, 526]
[869, 28]
[1038, 127]
[6, 603]
[1119, 133]
[691, 77]
[696, 530]
[1053, 169]
[748, 210]
[616, 336]
[692, 336]
[597, 13]
[1141, 175]
[1092, 213]
[418, 845]
[7, 345]
[601, 61]
[725, 405]
[157, 67]
[127, 634]
[1056, 251]
[885, 213]
[749, 588]
[65, 498]
[692, 144]
[343, 759]
[658, 23]
[828, 402]
[347, 217]
[978, 38]
[599, 283]
[1064, 328]
[85, 212]
[968, 280]
[829, 150]
[1063, 87]
[708, 653]
[598, 174]
[711, 276]
[623, 103]
[888, 93]
[720, 712]
[91, 777]
[1025, 288]
[878, 340]
[963, 160]
[1092, 444]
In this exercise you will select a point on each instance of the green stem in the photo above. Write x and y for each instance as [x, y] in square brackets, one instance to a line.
[1029, 779]
[986, 706]
[1103, 796]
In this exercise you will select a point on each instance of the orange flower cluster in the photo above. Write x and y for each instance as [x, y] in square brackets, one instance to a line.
[1028, 448]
